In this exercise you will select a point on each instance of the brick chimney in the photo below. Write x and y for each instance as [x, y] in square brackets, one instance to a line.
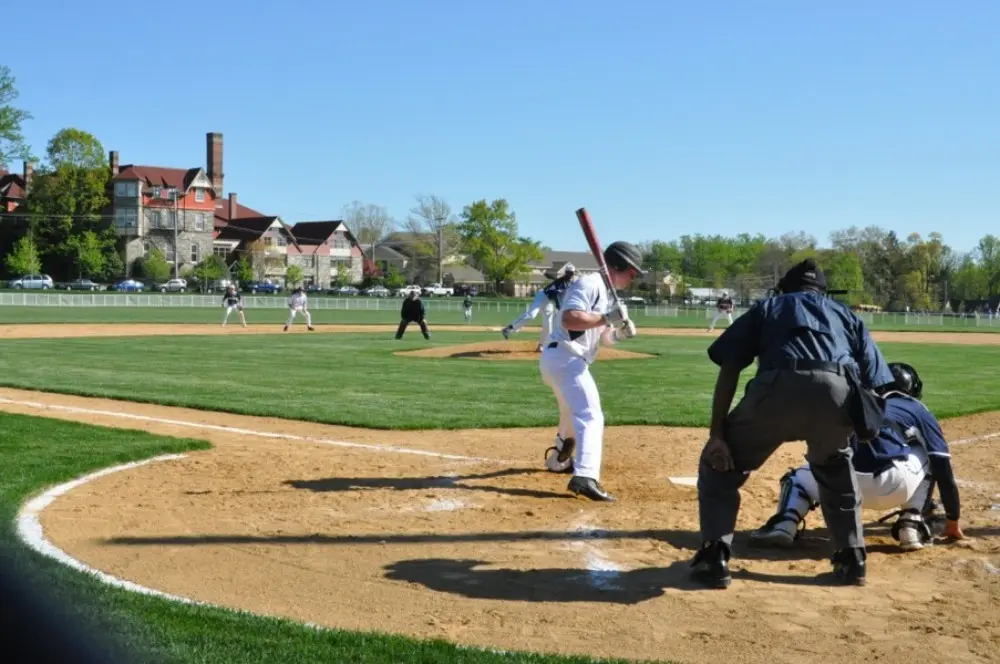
[213, 145]
[113, 160]
[232, 206]
[29, 171]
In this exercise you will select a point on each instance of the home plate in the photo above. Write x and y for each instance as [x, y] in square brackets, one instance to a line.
[684, 481]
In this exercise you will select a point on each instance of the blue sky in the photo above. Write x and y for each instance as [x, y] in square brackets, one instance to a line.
[662, 118]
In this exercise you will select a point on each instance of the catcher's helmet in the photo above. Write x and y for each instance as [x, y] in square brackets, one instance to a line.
[622, 256]
[907, 379]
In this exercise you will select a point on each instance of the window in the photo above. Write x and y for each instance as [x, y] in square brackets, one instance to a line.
[155, 192]
[221, 252]
[168, 253]
[315, 260]
[145, 248]
[153, 218]
[340, 242]
[282, 242]
[268, 241]
[199, 195]
[195, 253]
[126, 217]
[126, 189]
[199, 221]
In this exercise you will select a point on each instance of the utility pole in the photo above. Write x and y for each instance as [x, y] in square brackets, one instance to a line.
[177, 253]
[440, 240]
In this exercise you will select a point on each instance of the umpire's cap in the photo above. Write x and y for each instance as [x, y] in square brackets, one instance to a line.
[624, 255]
[907, 379]
[802, 276]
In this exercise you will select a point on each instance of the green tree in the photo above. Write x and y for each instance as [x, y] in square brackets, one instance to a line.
[208, 270]
[394, 278]
[293, 276]
[75, 147]
[12, 143]
[242, 271]
[154, 267]
[988, 252]
[489, 238]
[343, 276]
[23, 259]
[88, 254]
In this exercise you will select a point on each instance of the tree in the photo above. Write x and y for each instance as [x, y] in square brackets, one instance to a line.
[262, 259]
[988, 252]
[343, 276]
[12, 143]
[434, 230]
[23, 259]
[154, 267]
[75, 147]
[488, 233]
[208, 270]
[394, 278]
[88, 253]
[242, 271]
[293, 275]
[369, 223]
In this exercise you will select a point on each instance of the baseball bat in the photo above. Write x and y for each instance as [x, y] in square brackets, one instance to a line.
[595, 248]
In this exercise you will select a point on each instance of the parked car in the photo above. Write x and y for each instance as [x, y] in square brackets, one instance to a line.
[79, 284]
[464, 290]
[377, 291]
[437, 290]
[36, 281]
[314, 288]
[261, 287]
[174, 286]
[128, 286]
[406, 290]
[344, 290]
[220, 285]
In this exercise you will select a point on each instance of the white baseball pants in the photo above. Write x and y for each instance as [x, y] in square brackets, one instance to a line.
[468, 315]
[719, 314]
[540, 303]
[230, 310]
[294, 311]
[580, 415]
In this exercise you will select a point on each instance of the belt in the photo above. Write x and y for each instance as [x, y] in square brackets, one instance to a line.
[806, 365]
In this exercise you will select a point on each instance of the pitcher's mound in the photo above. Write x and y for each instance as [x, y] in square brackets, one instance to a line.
[508, 350]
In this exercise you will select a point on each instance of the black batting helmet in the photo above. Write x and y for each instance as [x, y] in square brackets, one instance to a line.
[907, 380]
[622, 256]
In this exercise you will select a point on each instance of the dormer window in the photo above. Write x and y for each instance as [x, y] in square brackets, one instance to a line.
[199, 195]
[155, 192]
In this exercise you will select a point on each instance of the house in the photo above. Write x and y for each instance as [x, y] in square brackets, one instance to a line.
[150, 203]
[327, 252]
[385, 257]
[14, 188]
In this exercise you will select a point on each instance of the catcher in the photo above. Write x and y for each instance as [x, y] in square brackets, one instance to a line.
[232, 300]
[897, 469]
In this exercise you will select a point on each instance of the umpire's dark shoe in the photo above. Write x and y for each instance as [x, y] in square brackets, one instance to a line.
[590, 488]
[711, 565]
[849, 567]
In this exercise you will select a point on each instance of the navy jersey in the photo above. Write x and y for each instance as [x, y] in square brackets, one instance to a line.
[802, 325]
[467, 303]
[907, 423]
[556, 290]
[231, 299]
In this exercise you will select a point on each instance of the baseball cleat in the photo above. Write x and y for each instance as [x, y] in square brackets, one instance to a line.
[559, 458]
[711, 565]
[311, 328]
[779, 531]
[589, 488]
[284, 329]
[849, 567]
[506, 332]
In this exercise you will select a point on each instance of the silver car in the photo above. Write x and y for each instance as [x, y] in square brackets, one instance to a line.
[38, 281]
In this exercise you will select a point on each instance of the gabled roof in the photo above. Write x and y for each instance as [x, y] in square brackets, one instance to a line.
[11, 185]
[384, 252]
[156, 176]
[223, 213]
[249, 230]
[315, 232]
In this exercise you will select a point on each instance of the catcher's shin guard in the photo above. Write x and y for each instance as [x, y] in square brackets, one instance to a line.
[794, 503]
[559, 458]
[911, 531]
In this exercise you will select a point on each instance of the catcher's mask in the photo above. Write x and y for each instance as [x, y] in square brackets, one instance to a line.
[906, 379]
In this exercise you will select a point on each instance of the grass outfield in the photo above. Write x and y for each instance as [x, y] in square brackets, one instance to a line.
[36, 453]
[355, 379]
[497, 313]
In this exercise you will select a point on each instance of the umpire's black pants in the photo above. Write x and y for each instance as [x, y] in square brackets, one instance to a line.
[404, 323]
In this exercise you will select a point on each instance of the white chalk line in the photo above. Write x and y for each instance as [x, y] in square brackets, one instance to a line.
[251, 432]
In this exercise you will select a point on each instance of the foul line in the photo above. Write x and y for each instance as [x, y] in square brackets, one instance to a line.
[251, 432]
[975, 439]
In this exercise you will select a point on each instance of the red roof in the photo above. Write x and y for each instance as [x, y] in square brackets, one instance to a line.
[155, 176]
[224, 214]
[11, 185]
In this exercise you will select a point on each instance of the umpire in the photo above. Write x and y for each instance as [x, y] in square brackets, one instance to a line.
[815, 359]
[412, 311]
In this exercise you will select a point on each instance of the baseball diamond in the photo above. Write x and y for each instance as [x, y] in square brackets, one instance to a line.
[459, 533]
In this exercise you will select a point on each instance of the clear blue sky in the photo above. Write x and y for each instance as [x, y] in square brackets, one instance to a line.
[662, 118]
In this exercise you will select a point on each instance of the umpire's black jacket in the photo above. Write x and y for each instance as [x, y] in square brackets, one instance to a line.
[413, 310]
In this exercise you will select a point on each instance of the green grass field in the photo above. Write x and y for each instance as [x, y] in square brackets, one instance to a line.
[355, 379]
[36, 453]
[440, 312]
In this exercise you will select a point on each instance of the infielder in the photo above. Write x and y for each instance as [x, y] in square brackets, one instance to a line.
[587, 319]
[547, 301]
[805, 344]
[232, 300]
[897, 469]
[467, 309]
[723, 307]
[298, 304]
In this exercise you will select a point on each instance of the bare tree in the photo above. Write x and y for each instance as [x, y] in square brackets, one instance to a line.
[433, 227]
[369, 223]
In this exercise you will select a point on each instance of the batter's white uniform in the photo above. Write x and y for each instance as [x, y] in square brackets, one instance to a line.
[565, 369]
[540, 303]
[297, 305]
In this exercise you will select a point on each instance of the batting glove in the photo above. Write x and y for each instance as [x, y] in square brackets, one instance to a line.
[616, 316]
[628, 330]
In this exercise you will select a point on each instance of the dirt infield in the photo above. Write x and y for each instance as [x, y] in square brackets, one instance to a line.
[349, 528]
[67, 330]
[508, 350]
